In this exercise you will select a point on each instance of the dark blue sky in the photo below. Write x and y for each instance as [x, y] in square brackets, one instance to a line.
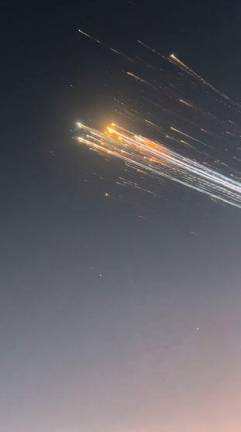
[110, 321]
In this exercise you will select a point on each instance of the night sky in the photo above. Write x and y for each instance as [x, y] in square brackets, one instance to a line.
[120, 310]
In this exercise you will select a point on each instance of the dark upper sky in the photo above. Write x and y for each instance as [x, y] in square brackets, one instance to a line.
[118, 314]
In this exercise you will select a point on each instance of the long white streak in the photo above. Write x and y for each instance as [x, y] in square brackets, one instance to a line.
[155, 158]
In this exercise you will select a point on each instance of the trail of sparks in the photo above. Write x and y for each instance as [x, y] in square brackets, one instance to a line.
[186, 113]
[179, 63]
[155, 158]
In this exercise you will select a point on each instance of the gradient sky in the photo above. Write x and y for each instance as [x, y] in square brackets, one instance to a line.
[110, 321]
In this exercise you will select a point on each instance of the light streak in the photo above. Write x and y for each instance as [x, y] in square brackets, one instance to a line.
[155, 158]
[179, 63]
[89, 36]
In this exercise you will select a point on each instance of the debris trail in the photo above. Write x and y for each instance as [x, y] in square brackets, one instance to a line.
[156, 158]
